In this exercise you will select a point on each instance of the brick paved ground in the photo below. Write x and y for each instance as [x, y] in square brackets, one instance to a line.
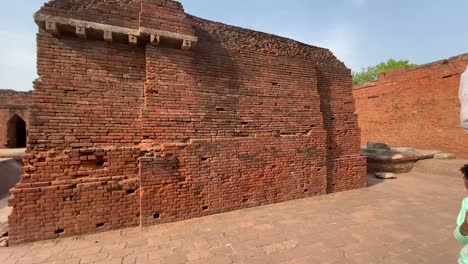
[408, 220]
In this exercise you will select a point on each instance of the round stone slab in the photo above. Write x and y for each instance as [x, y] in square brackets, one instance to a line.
[385, 175]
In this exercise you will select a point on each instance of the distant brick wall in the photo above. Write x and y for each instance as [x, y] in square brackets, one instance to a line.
[137, 135]
[12, 103]
[415, 108]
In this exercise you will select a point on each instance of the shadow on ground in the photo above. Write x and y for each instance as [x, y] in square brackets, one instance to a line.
[372, 180]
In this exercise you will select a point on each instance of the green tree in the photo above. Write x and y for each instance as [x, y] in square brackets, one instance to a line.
[372, 73]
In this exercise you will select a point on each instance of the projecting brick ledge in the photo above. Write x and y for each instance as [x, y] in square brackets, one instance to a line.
[56, 24]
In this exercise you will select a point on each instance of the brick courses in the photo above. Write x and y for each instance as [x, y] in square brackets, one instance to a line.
[415, 108]
[126, 135]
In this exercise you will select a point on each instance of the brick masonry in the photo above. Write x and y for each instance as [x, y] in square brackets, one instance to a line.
[415, 108]
[13, 104]
[126, 135]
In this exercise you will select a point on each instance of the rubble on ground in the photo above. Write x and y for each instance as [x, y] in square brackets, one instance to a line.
[383, 158]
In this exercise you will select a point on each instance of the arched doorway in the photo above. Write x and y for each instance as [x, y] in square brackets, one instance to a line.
[16, 132]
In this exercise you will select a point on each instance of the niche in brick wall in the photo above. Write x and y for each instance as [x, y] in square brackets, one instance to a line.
[16, 132]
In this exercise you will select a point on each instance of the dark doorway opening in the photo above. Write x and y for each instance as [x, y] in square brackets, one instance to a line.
[16, 132]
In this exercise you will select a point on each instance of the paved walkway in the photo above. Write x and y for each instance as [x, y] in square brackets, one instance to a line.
[408, 220]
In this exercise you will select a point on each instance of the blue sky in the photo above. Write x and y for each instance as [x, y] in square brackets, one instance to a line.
[360, 32]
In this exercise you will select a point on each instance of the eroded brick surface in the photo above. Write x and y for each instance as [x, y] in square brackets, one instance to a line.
[127, 135]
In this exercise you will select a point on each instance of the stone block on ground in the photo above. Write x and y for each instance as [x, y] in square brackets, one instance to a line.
[3, 235]
[377, 145]
[385, 175]
[3, 242]
[444, 155]
[395, 160]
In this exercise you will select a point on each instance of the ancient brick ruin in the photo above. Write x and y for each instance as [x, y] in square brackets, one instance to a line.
[14, 116]
[144, 114]
[416, 108]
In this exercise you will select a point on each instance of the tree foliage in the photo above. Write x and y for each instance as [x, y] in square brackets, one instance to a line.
[372, 73]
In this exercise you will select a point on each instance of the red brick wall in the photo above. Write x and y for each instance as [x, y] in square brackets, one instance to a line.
[206, 177]
[68, 193]
[159, 134]
[155, 14]
[12, 103]
[165, 15]
[83, 141]
[94, 101]
[239, 132]
[415, 108]
[345, 166]
[224, 93]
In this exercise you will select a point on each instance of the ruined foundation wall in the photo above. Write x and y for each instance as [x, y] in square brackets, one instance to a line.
[160, 134]
[415, 108]
[12, 103]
